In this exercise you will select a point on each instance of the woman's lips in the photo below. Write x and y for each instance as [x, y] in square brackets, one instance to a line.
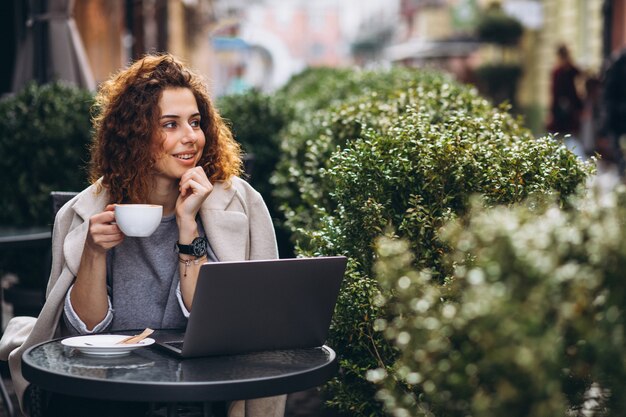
[185, 158]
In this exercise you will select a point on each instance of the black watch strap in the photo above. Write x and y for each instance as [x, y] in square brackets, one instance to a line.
[198, 248]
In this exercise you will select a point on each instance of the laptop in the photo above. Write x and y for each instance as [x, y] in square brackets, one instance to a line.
[249, 306]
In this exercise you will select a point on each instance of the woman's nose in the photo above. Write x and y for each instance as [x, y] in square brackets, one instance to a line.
[190, 135]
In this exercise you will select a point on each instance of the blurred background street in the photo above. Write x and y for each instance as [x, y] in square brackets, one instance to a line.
[505, 47]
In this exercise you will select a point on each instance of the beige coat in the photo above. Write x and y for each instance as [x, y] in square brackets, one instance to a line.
[238, 227]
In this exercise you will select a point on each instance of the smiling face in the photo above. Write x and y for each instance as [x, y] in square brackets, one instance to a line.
[180, 139]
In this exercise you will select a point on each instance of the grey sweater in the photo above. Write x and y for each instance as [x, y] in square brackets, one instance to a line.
[143, 284]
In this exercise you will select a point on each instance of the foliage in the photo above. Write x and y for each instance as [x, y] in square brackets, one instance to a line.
[497, 27]
[537, 315]
[44, 136]
[256, 120]
[328, 118]
[499, 81]
[407, 150]
[304, 93]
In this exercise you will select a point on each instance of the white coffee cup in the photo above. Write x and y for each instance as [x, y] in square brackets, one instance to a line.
[138, 220]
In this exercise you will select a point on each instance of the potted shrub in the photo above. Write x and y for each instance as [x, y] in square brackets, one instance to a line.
[495, 26]
[532, 322]
[407, 155]
[499, 78]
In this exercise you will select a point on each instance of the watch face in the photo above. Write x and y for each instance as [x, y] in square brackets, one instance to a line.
[199, 246]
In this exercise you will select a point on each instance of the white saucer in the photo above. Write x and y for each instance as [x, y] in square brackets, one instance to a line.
[104, 344]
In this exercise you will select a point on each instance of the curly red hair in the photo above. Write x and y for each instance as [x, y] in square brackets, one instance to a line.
[126, 121]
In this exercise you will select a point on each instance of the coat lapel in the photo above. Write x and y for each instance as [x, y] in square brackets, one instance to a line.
[227, 231]
[75, 240]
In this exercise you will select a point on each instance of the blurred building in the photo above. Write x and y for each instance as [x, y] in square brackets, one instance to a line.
[614, 33]
[578, 24]
[592, 29]
[272, 40]
[236, 44]
[116, 32]
[441, 34]
[111, 32]
[436, 34]
[239, 44]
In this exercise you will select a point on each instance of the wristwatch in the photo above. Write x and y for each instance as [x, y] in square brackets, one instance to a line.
[198, 247]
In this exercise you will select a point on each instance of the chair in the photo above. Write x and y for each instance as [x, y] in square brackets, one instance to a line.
[31, 302]
[248, 165]
[6, 399]
[58, 199]
[28, 302]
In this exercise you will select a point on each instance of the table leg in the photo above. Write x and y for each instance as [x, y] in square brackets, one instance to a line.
[207, 409]
[172, 410]
[6, 399]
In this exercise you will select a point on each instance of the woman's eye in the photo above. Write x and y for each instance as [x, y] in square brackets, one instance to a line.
[169, 125]
[195, 123]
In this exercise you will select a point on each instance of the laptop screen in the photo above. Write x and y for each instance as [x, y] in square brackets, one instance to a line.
[263, 305]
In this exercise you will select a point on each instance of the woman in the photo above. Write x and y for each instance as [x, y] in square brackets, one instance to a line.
[158, 140]
[566, 105]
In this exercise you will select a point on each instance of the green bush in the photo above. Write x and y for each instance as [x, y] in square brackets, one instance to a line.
[256, 120]
[537, 315]
[318, 87]
[409, 156]
[328, 118]
[495, 26]
[44, 135]
[499, 81]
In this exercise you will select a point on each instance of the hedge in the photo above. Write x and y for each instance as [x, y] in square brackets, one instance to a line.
[536, 326]
[405, 152]
[44, 137]
[256, 120]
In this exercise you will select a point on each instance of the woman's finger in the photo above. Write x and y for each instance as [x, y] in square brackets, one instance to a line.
[194, 187]
[104, 217]
[196, 174]
[105, 229]
[108, 240]
[103, 233]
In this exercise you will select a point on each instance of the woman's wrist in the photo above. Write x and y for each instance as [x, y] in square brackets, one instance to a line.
[92, 251]
[184, 257]
[187, 231]
[187, 262]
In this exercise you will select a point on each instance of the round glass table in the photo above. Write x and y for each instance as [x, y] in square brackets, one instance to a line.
[150, 375]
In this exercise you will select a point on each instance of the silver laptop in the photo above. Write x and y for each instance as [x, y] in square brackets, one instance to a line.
[251, 306]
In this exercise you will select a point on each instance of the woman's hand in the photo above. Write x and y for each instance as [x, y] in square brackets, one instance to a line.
[194, 188]
[89, 294]
[103, 233]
